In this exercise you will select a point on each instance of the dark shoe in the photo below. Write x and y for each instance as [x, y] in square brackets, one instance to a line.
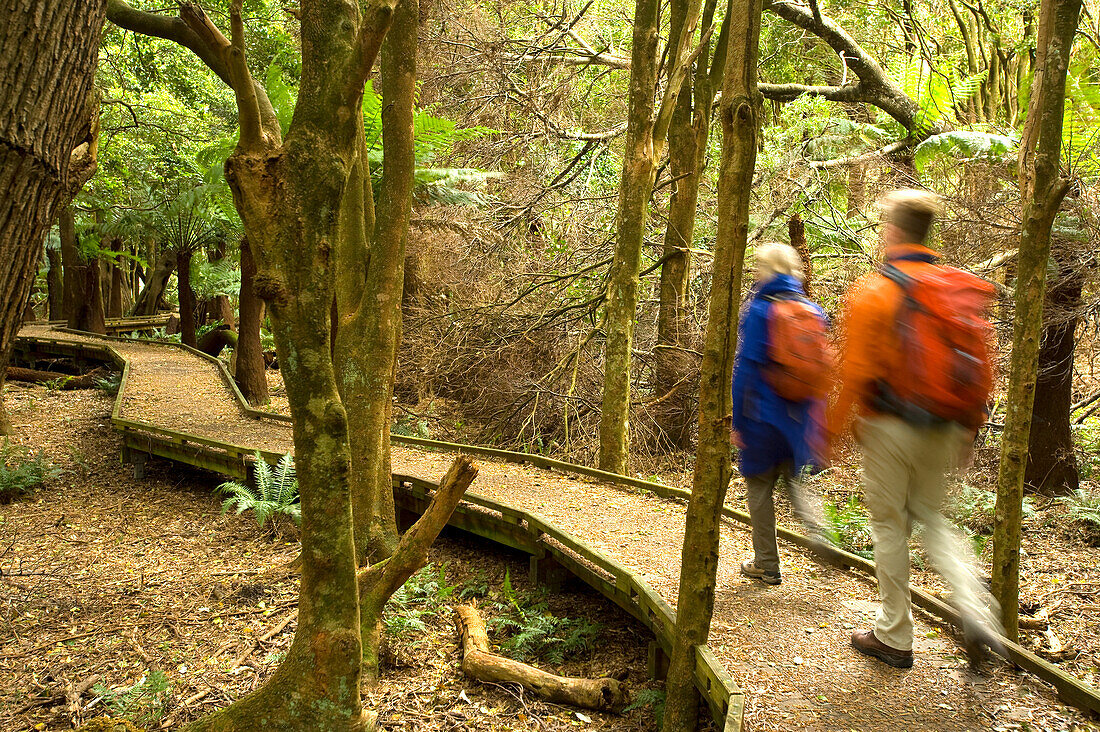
[978, 641]
[749, 569]
[866, 643]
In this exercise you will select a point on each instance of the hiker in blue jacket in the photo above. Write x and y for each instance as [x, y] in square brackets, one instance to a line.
[777, 439]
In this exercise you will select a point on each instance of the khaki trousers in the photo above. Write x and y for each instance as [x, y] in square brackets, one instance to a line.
[905, 472]
[760, 497]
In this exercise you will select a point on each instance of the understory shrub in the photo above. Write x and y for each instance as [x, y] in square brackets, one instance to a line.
[848, 526]
[22, 471]
[275, 495]
[1084, 511]
[144, 703]
[532, 632]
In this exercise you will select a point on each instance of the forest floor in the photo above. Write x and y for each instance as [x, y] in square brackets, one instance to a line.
[169, 609]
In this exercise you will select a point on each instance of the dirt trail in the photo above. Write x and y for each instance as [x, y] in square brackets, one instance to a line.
[787, 646]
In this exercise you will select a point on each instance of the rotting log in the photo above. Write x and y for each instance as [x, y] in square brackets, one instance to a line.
[478, 662]
[65, 381]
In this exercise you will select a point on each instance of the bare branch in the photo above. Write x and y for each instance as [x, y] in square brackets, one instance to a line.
[377, 17]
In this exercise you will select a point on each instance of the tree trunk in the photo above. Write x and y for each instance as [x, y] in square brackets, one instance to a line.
[187, 299]
[83, 291]
[48, 124]
[635, 185]
[55, 286]
[796, 232]
[699, 564]
[1051, 462]
[70, 260]
[1042, 191]
[250, 371]
[114, 299]
[157, 280]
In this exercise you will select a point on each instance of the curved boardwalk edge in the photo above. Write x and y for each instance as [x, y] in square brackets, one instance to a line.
[550, 547]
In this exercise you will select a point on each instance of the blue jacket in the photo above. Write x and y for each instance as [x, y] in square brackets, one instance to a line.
[772, 429]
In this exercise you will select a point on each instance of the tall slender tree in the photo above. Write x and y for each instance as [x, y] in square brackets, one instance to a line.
[48, 137]
[713, 469]
[1042, 189]
[646, 133]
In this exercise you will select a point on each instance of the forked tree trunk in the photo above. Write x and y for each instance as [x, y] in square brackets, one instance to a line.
[713, 470]
[675, 367]
[150, 296]
[188, 330]
[646, 131]
[1042, 190]
[1051, 462]
[55, 286]
[369, 295]
[250, 370]
[48, 137]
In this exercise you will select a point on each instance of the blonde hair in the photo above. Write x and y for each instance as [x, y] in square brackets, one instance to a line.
[912, 211]
[777, 259]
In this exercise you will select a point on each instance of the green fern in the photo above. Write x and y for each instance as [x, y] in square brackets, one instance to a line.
[144, 703]
[1084, 510]
[967, 145]
[275, 494]
[22, 471]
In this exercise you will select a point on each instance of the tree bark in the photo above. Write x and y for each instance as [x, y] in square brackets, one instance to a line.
[70, 260]
[48, 137]
[250, 370]
[479, 662]
[796, 232]
[699, 564]
[1051, 462]
[188, 333]
[65, 382]
[55, 286]
[1042, 190]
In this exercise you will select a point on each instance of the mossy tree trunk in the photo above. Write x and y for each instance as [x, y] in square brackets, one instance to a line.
[647, 129]
[48, 137]
[291, 195]
[699, 564]
[1042, 190]
[55, 285]
[83, 292]
[250, 371]
[116, 290]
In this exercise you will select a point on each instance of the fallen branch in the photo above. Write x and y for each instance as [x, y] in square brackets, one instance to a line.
[478, 662]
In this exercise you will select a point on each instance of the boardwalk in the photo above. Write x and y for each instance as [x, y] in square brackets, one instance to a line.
[787, 646]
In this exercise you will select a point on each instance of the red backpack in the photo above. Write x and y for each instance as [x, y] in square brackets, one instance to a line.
[798, 350]
[945, 341]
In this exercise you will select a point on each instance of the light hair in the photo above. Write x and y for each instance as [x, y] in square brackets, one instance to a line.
[912, 211]
[774, 259]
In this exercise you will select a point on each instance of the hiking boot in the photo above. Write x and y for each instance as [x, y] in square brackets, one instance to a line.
[866, 643]
[749, 569]
[979, 640]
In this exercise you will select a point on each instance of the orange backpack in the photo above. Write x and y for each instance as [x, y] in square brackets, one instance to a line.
[798, 350]
[945, 341]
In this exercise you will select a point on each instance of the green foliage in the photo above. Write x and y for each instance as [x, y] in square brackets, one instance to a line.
[973, 508]
[849, 528]
[211, 279]
[937, 92]
[144, 703]
[109, 384]
[652, 698]
[275, 494]
[966, 145]
[22, 471]
[533, 632]
[425, 594]
[1083, 506]
[410, 426]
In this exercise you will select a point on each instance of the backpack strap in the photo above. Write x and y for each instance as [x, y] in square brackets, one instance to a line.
[926, 257]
